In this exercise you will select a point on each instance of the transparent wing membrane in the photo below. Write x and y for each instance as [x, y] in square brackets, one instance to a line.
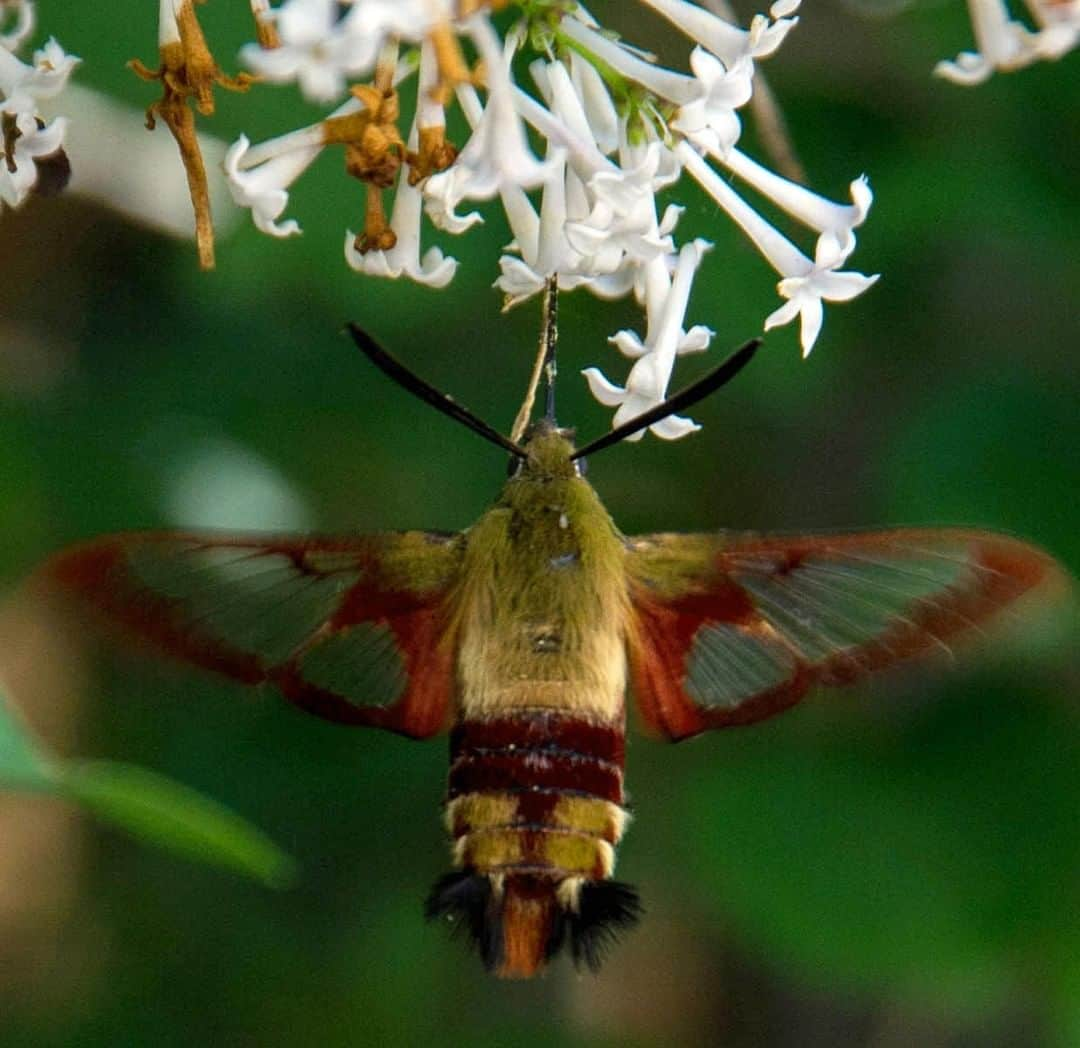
[731, 629]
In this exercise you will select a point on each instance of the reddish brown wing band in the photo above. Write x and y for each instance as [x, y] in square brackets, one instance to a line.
[729, 630]
[349, 629]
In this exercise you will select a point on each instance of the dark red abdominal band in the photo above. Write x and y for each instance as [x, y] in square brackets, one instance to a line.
[538, 755]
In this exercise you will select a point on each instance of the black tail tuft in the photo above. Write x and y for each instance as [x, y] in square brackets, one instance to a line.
[464, 898]
[605, 908]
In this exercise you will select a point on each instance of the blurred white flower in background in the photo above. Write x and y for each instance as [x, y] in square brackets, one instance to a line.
[1006, 44]
[29, 144]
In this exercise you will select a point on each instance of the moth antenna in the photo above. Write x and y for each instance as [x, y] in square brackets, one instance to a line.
[678, 402]
[415, 385]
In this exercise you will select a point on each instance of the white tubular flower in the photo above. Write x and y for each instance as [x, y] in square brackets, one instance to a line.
[676, 87]
[259, 176]
[23, 85]
[264, 188]
[710, 121]
[315, 51]
[445, 190]
[20, 32]
[727, 42]
[497, 153]
[1007, 45]
[655, 287]
[649, 377]
[321, 48]
[617, 127]
[434, 269]
[596, 101]
[805, 283]
[543, 245]
[706, 101]
[623, 220]
[18, 172]
[26, 135]
[819, 280]
[819, 214]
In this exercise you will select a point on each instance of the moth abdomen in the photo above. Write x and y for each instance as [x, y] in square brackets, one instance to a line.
[534, 807]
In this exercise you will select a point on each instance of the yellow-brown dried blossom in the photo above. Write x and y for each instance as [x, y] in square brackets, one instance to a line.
[374, 153]
[188, 72]
[377, 234]
[453, 69]
[435, 153]
[374, 148]
[266, 34]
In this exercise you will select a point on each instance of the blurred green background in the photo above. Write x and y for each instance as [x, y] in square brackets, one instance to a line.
[893, 866]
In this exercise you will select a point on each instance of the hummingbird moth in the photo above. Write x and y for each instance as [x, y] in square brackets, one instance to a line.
[522, 636]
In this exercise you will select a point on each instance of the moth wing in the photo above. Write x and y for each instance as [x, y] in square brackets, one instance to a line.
[730, 629]
[351, 630]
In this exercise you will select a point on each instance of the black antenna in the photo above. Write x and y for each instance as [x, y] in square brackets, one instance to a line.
[683, 399]
[419, 388]
[551, 341]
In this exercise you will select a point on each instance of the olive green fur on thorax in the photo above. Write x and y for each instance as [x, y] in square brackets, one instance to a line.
[542, 603]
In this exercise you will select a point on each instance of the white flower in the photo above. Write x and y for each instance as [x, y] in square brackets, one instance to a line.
[805, 283]
[264, 188]
[676, 87]
[23, 85]
[654, 287]
[20, 32]
[27, 135]
[728, 42]
[817, 280]
[497, 153]
[599, 109]
[598, 221]
[403, 259]
[647, 383]
[434, 269]
[18, 172]
[623, 220]
[259, 176]
[322, 49]
[706, 101]
[1007, 44]
[542, 243]
[812, 210]
[709, 121]
[315, 50]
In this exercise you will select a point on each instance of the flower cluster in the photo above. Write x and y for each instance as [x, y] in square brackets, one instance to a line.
[31, 149]
[616, 127]
[1007, 44]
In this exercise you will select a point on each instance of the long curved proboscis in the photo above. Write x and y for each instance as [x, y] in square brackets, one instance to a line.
[397, 371]
[678, 402]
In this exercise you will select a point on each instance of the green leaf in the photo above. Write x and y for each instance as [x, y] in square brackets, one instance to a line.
[176, 817]
[21, 765]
